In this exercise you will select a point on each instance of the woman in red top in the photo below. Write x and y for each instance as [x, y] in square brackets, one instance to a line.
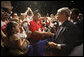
[36, 28]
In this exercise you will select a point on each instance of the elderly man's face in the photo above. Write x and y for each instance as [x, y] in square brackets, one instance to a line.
[60, 16]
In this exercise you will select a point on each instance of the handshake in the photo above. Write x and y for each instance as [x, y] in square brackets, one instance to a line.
[58, 46]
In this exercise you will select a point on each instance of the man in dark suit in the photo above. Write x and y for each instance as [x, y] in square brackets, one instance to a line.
[67, 34]
[75, 17]
[77, 51]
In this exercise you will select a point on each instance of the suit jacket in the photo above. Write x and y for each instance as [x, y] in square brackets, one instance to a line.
[68, 34]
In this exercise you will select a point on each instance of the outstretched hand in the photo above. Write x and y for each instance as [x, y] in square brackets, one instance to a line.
[52, 44]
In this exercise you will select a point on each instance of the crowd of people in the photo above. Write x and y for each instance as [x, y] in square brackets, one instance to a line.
[30, 34]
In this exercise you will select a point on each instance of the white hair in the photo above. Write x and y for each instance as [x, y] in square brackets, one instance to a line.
[65, 10]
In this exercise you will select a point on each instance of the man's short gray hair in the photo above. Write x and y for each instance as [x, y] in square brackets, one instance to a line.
[65, 10]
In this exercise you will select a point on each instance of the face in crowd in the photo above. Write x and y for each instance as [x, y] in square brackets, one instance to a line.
[63, 14]
[60, 16]
[37, 16]
[72, 15]
[16, 28]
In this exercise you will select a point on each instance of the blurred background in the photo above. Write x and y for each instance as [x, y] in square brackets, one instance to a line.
[45, 6]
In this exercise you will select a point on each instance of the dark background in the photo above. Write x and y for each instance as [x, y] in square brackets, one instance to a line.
[46, 6]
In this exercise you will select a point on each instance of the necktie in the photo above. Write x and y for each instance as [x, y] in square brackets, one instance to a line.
[58, 32]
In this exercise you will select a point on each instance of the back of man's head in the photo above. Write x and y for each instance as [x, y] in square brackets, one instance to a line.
[75, 11]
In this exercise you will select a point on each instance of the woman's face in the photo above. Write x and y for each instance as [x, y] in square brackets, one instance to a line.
[17, 29]
[37, 17]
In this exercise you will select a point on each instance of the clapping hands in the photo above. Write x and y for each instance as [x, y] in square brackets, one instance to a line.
[29, 8]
